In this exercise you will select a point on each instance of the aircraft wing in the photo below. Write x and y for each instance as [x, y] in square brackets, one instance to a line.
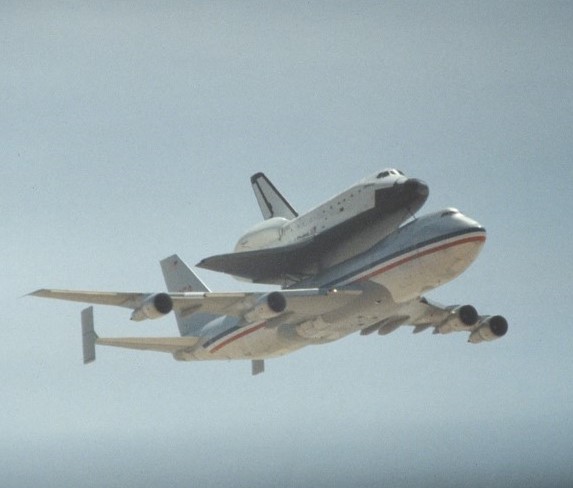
[304, 301]
[127, 300]
[424, 314]
[443, 319]
[215, 303]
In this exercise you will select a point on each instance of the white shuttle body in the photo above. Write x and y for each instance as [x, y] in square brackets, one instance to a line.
[287, 247]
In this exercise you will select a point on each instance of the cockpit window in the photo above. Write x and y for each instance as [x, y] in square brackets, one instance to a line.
[389, 172]
[449, 211]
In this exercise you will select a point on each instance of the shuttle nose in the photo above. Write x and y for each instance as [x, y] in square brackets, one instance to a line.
[405, 193]
[414, 186]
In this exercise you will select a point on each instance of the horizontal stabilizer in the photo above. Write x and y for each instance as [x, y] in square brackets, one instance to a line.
[159, 344]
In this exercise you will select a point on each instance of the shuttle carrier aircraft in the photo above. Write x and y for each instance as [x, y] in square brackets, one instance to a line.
[360, 262]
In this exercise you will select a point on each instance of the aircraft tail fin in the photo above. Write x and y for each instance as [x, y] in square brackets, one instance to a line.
[89, 336]
[180, 278]
[270, 200]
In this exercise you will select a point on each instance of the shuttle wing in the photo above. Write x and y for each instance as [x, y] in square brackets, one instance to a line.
[264, 264]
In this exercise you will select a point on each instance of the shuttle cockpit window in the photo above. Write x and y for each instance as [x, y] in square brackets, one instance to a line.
[449, 211]
[389, 172]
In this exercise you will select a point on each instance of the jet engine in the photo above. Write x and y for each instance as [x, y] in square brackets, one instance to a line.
[490, 328]
[267, 307]
[153, 307]
[462, 318]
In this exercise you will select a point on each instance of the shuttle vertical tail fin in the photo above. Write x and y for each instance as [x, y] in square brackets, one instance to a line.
[180, 278]
[270, 200]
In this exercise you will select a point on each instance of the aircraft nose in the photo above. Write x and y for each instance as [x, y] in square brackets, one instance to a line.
[471, 223]
[414, 186]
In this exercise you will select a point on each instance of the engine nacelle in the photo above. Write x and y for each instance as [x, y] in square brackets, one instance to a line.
[268, 306]
[153, 307]
[462, 318]
[490, 329]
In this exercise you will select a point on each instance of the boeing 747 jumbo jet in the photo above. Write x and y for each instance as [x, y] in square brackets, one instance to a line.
[352, 264]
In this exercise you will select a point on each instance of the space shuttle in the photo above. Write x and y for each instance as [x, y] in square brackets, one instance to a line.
[286, 247]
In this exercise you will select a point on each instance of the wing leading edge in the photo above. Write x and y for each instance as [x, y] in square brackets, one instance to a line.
[236, 304]
[264, 264]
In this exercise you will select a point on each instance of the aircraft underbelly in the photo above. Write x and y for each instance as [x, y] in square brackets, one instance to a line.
[254, 341]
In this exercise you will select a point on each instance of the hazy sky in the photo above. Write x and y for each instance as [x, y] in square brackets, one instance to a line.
[129, 131]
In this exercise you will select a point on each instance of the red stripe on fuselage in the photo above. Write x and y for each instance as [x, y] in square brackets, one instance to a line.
[480, 238]
[238, 336]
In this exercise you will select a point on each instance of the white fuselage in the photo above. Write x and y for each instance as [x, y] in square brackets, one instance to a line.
[391, 275]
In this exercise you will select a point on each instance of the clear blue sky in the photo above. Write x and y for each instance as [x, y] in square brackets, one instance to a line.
[129, 131]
